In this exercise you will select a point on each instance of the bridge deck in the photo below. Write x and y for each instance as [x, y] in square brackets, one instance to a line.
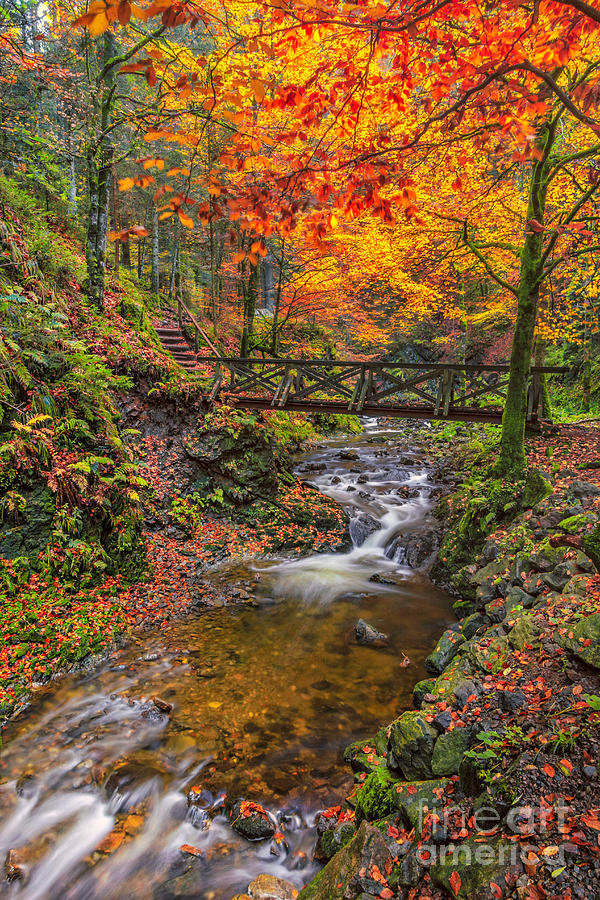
[451, 391]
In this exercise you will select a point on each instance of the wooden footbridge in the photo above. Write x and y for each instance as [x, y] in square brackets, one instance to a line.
[472, 393]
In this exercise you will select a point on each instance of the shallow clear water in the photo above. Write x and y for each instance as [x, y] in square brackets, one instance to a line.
[265, 697]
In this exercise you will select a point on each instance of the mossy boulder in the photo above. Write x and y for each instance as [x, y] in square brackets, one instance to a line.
[333, 838]
[29, 535]
[362, 756]
[411, 744]
[241, 461]
[577, 524]
[347, 874]
[478, 863]
[536, 489]
[584, 640]
[414, 799]
[374, 797]
[448, 685]
[445, 651]
[525, 631]
[449, 750]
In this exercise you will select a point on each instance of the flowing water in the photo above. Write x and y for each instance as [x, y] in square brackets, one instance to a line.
[97, 780]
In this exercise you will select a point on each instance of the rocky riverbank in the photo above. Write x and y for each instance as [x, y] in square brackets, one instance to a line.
[489, 787]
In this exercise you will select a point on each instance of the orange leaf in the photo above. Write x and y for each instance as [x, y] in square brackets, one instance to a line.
[455, 882]
[549, 770]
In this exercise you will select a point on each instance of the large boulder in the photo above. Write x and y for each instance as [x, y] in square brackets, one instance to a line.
[355, 870]
[239, 459]
[473, 866]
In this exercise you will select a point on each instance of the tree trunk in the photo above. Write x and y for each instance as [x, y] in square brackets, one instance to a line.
[277, 304]
[512, 442]
[540, 360]
[115, 219]
[154, 276]
[249, 293]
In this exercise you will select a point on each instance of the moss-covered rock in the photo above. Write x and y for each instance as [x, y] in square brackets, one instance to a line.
[525, 631]
[414, 799]
[29, 535]
[362, 756]
[477, 863]
[536, 488]
[332, 839]
[584, 640]
[411, 744]
[445, 651]
[449, 750]
[347, 874]
[374, 797]
[241, 461]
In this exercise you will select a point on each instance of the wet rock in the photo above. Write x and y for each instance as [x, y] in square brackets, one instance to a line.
[490, 551]
[560, 575]
[15, 868]
[346, 876]
[362, 479]
[516, 596]
[26, 786]
[251, 820]
[496, 610]
[131, 783]
[268, 887]
[162, 705]
[331, 837]
[471, 625]
[367, 634]
[361, 526]
[348, 454]
[445, 651]
[411, 744]
[419, 549]
[512, 701]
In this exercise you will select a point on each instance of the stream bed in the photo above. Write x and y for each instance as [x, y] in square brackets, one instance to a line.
[97, 777]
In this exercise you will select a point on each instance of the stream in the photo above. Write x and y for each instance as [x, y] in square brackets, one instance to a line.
[100, 788]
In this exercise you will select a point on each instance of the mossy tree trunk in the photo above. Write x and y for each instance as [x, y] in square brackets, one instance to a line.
[512, 443]
[249, 297]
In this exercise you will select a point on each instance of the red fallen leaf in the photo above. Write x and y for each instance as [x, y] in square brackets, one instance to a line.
[386, 894]
[193, 851]
[496, 889]
[549, 770]
[455, 882]
[411, 789]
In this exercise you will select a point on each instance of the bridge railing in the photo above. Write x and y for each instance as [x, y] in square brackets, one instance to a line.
[425, 390]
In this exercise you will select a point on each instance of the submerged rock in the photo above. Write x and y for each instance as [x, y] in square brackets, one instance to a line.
[367, 634]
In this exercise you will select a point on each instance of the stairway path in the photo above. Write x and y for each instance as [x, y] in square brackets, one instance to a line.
[174, 343]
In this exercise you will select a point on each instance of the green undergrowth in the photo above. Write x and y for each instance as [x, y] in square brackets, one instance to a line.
[70, 490]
